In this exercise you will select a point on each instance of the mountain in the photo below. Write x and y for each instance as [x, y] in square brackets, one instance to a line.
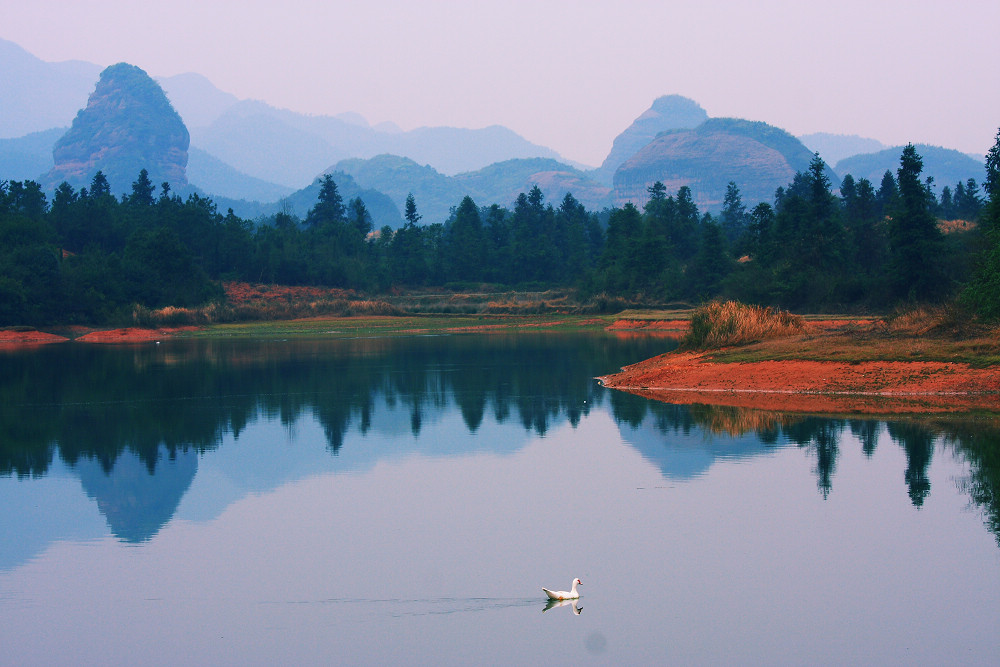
[758, 157]
[196, 98]
[36, 95]
[454, 150]
[397, 177]
[218, 179]
[670, 112]
[947, 166]
[835, 147]
[502, 182]
[273, 145]
[136, 502]
[128, 125]
[289, 148]
[381, 207]
[28, 157]
[257, 142]
[499, 183]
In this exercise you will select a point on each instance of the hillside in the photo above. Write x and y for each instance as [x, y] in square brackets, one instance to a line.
[758, 157]
[946, 166]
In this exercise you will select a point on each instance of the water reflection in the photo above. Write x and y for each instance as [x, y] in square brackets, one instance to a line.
[743, 432]
[574, 604]
[131, 424]
[305, 502]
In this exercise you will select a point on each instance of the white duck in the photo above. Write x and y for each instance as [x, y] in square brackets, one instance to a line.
[564, 595]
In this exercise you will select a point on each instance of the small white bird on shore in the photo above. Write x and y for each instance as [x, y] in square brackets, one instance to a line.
[564, 595]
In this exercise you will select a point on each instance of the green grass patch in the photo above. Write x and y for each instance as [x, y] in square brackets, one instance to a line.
[400, 325]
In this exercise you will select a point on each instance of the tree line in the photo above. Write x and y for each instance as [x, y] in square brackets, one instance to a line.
[89, 257]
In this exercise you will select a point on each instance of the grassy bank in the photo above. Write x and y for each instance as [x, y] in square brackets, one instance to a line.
[400, 325]
[939, 333]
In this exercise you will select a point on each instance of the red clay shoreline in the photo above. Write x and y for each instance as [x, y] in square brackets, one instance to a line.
[13, 339]
[813, 386]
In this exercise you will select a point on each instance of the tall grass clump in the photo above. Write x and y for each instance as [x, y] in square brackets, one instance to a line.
[724, 324]
[939, 320]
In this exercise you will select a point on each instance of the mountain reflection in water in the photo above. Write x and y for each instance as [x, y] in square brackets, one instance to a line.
[131, 423]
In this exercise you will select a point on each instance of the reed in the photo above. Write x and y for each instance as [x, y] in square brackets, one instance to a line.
[729, 323]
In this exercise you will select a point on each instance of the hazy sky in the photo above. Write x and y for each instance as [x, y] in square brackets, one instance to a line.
[568, 75]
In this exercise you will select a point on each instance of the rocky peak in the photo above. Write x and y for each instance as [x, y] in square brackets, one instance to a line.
[128, 125]
[670, 112]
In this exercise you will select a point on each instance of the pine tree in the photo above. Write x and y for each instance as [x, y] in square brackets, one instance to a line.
[411, 215]
[916, 244]
[734, 214]
[329, 209]
[983, 292]
[466, 249]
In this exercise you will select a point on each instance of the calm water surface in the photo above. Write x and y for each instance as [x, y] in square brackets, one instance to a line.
[404, 500]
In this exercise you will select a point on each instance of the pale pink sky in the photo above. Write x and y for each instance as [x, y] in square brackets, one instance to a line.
[568, 75]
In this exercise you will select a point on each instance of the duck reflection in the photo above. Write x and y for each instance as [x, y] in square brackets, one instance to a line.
[551, 604]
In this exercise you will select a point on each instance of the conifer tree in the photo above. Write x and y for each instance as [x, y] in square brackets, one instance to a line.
[983, 292]
[915, 242]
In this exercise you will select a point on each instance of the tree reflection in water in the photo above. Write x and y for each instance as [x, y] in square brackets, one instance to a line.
[91, 405]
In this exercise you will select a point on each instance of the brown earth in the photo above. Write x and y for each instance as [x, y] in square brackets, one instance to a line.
[238, 293]
[813, 386]
[131, 335]
[12, 338]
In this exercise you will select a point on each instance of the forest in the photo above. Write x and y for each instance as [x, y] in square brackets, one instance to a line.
[89, 257]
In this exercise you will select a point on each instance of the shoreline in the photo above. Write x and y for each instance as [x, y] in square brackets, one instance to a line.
[781, 378]
[867, 387]
[16, 339]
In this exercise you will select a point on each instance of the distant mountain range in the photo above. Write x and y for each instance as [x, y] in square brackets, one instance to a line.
[274, 145]
[945, 166]
[500, 183]
[36, 95]
[290, 149]
[258, 159]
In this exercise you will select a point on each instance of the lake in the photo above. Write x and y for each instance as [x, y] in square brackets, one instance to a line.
[404, 500]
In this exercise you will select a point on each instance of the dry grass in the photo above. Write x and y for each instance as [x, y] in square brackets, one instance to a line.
[948, 320]
[725, 324]
[922, 333]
